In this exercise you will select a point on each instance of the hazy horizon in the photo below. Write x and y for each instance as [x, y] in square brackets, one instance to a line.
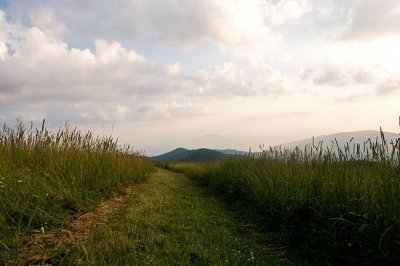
[217, 142]
[158, 73]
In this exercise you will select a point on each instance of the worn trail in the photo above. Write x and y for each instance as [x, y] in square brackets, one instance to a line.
[167, 221]
[44, 245]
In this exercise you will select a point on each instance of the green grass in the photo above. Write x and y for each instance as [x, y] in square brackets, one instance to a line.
[48, 178]
[329, 207]
[169, 221]
[333, 206]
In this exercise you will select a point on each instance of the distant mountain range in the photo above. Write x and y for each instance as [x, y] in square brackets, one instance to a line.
[342, 138]
[232, 152]
[205, 155]
[184, 155]
[209, 141]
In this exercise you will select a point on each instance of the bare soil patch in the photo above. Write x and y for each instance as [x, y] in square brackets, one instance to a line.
[38, 250]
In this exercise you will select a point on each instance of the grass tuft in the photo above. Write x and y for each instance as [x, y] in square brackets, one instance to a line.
[48, 178]
[336, 205]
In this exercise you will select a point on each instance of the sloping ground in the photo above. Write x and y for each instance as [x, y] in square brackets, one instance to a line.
[169, 221]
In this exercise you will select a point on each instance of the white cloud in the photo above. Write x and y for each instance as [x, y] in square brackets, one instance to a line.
[145, 60]
[45, 19]
[221, 81]
[343, 75]
[3, 51]
[239, 24]
[44, 74]
[244, 28]
[45, 77]
[286, 10]
[229, 23]
[359, 62]
[388, 87]
[368, 19]
[272, 81]
[228, 79]
[122, 110]
[108, 53]
[174, 69]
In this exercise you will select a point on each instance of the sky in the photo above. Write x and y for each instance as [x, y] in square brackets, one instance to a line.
[167, 73]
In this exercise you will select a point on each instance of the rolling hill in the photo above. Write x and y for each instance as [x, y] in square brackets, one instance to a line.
[342, 138]
[184, 155]
[204, 155]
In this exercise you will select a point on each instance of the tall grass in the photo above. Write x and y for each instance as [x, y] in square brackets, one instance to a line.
[333, 205]
[47, 178]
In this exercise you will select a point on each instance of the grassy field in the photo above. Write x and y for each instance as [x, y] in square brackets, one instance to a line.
[49, 178]
[169, 221]
[331, 206]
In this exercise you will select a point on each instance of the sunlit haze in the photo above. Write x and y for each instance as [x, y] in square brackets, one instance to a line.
[218, 73]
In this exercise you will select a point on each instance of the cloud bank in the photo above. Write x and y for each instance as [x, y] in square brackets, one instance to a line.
[174, 61]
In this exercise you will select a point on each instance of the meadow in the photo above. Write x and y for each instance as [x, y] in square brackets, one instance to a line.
[49, 178]
[323, 204]
[332, 205]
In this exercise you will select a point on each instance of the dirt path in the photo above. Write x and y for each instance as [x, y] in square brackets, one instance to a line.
[166, 221]
[42, 245]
